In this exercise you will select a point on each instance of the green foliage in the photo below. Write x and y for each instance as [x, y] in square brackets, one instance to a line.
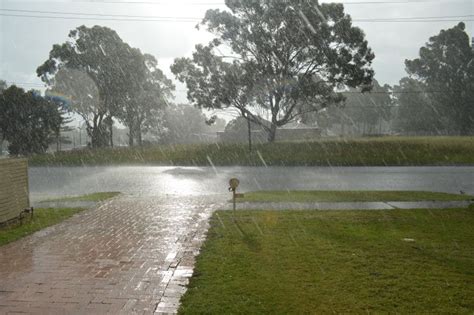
[3, 86]
[445, 66]
[42, 218]
[104, 78]
[367, 110]
[360, 113]
[320, 262]
[102, 56]
[340, 152]
[27, 121]
[182, 124]
[344, 195]
[143, 107]
[287, 58]
[417, 112]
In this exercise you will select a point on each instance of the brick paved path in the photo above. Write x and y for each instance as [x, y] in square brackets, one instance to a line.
[129, 256]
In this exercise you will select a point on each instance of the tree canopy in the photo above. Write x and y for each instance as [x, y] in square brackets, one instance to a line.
[121, 82]
[446, 67]
[99, 53]
[287, 58]
[416, 112]
[143, 107]
[27, 121]
[79, 94]
[185, 124]
[368, 110]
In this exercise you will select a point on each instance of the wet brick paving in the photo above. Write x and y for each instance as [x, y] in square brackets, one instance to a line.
[127, 256]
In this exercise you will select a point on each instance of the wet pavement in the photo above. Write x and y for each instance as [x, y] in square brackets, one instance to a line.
[53, 182]
[127, 256]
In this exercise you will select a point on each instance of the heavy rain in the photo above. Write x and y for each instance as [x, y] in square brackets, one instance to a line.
[236, 157]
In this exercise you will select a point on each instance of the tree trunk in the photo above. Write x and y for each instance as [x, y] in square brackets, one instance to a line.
[139, 136]
[272, 133]
[99, 137]
[98, 132]
[111, 126]
[249, 128]
[131, 135]
[95, 138]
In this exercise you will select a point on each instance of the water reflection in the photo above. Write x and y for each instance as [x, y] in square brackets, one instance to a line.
[177, 185]
[47, 182]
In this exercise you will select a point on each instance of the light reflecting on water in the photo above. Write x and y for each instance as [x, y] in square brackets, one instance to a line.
[47, 182]
[177, 185]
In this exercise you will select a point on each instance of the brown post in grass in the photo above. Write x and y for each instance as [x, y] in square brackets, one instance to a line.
[233, 184]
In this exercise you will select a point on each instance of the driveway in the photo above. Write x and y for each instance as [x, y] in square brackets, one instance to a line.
[128, 255]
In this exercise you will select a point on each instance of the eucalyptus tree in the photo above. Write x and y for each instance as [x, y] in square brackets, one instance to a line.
[27, 121]
[368, 110]
[3, 86]
[446, 67]
[144, 105]
[214, 83]
[99, 53]
[79, 94]
[285, 58]
[417, 112]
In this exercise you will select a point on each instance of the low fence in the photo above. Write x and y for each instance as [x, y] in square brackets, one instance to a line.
[14, 192]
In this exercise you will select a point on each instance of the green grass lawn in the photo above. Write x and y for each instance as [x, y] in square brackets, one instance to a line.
[320, 262]
[99, 196]
[42, 218]
[343, 196]
[325, 152]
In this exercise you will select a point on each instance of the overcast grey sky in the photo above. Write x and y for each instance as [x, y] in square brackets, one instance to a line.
[26, 40]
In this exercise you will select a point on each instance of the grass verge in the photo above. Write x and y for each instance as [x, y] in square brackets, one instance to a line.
[347, 196]
[299, 262]
[99, 196]
[323, 152]
[42, 218]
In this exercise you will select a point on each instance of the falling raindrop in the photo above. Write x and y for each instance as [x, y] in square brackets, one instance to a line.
[261, 158]
[212, 164]
[308, 24]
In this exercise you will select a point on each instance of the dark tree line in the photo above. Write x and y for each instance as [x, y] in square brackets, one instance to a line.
[438, 95]
[106, 79]
[28, 121]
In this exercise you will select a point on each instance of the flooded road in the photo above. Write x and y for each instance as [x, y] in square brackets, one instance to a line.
[48, 182]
